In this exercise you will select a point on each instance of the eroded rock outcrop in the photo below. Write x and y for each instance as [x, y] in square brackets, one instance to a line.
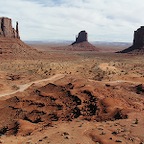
[54, 103]
[82, 42]
[138, 42]
[6, 29]
[82, 37]
[11, 46]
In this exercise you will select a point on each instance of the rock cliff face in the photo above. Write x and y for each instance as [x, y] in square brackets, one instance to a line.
[82, 37]
[82, 43]
[6, 29]
[138, 42]
[11, 47]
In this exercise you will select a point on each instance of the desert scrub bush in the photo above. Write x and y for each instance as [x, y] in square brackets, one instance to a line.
[3, 130]
[136, 121]
[15, 87]
[139, 89]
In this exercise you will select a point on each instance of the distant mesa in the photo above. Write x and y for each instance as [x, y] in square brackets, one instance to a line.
[82, 42]
[138, 42]
[6, 29]
[82, 37]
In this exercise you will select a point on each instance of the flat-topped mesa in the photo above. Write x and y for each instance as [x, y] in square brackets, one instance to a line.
[6, 29]
[138, 41]
[82, 37]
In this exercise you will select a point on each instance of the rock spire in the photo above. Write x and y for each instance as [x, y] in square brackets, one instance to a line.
[6, 29]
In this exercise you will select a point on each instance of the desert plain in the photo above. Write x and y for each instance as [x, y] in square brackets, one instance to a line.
[59, 95]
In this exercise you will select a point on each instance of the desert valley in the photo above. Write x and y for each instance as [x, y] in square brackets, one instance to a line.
[70, 94]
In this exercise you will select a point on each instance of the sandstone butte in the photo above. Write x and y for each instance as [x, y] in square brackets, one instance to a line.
[138, 42]
[11, 46]
[82, 42]
[6, 29]
[82, 37]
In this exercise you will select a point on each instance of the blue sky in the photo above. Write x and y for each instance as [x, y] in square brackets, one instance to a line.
[104, 20]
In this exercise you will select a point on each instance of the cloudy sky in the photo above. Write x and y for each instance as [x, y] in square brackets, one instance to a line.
[104, 20]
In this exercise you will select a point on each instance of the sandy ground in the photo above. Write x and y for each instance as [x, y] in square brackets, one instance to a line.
[112, 78]
[23, 87]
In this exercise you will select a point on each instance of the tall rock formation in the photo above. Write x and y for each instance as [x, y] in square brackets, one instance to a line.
[82, 37]
[11, 47]
[6, 29]
[138, 42]
[81, 43]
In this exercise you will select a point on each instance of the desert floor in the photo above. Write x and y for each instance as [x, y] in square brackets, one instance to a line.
[115, 80]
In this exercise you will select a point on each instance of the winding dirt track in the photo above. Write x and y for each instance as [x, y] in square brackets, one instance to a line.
[57, 77]
[26, 86]
[117, 81]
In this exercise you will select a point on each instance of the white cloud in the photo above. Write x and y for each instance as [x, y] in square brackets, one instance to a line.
[105, 20]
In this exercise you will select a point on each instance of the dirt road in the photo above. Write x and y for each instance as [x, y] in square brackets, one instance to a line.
[26, 86]
[57, 77]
